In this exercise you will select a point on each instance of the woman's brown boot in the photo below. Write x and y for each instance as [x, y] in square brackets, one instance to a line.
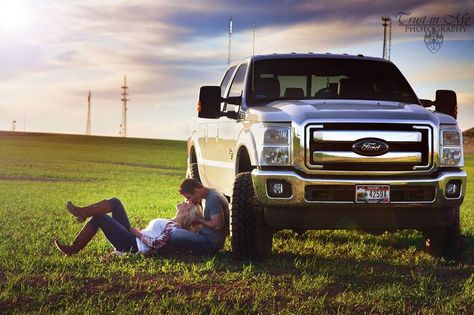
[82, 213]
[85, 235]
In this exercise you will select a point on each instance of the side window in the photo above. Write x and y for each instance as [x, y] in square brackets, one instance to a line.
[226, 80]
[237, 87]
[238, 83]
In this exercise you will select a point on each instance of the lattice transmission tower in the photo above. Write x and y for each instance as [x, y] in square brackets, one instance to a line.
[387, 48]
[125, 99]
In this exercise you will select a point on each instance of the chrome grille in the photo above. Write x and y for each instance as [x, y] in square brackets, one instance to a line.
[330, 147]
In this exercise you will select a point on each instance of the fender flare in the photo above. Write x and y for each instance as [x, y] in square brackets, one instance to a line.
[246, 141]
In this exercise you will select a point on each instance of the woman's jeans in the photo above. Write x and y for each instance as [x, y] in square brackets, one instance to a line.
[116, 228]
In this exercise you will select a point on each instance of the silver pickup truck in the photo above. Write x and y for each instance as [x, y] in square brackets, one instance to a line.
[324, 141]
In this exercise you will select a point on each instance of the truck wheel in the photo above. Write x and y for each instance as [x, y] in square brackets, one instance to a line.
[445, 241]
[251, 237]
[193, 172]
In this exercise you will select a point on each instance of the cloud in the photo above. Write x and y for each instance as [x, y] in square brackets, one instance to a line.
[465, 110]
[19, 58]
[452, 71]
[168, 49]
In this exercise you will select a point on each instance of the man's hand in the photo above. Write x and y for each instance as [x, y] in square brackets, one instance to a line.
[137, 232]
[216, 222]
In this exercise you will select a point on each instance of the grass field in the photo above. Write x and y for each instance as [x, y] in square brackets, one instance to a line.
[317, 272]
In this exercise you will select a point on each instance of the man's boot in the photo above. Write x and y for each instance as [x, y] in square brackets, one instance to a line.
[82, 213]
[85, 235]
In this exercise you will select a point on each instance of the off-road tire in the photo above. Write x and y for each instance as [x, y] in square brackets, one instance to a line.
[251, 236]
[193, 172]
[445, 241]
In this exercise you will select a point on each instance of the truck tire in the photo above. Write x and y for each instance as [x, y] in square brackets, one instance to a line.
[251, 236]
[445, 241]
[193, 172]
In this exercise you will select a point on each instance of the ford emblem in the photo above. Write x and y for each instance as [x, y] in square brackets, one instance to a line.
[370, 147]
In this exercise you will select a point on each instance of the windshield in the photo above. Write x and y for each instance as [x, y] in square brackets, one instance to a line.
[311, 78]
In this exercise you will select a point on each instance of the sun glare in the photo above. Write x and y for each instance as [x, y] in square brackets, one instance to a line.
[13, 15]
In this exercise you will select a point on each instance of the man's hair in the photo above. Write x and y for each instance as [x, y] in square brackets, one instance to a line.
[189, 185]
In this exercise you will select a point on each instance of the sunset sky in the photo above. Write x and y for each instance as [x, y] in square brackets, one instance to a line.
[53, 52]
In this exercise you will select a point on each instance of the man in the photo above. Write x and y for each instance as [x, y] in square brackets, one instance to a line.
[210, 239]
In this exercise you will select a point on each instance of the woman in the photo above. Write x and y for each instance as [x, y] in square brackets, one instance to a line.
[118, 231]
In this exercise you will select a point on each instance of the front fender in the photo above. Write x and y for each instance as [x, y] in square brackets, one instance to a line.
[246, 140]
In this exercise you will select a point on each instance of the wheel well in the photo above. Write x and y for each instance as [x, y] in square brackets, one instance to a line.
[192, 156]
[243, 161]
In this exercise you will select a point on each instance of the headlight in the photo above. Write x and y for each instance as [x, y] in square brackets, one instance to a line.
[451, 137]
[451, 147]
[274, 143]
[277, 136]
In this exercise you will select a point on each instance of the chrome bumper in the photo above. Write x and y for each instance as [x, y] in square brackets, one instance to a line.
[299, 183]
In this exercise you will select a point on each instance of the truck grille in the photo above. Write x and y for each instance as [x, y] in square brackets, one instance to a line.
[340, 146]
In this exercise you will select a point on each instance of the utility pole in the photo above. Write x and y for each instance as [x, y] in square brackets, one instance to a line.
[230, 41]
[125, 99]
[14, 125]
[88, 123]
[386, 22]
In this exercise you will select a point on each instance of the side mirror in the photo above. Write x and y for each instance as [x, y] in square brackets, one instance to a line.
[235, 100]
[209, 105]
[426, 103]
[446, 103]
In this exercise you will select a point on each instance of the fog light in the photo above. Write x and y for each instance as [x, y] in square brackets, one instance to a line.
[453, 189]
[278, 188]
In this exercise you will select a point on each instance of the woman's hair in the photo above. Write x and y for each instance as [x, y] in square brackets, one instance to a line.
[195, 210]
[189, 185]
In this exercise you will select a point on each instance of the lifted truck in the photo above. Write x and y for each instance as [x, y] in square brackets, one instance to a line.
[323, 141]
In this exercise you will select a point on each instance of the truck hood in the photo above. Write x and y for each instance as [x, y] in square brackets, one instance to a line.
[348, 110]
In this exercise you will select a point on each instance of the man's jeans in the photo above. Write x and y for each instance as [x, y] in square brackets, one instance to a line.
[116, 228]
[195, 242]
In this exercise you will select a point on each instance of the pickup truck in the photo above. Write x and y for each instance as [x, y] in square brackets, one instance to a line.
[325, 141]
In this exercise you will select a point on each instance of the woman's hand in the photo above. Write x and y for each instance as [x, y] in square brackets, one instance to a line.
[137, 232]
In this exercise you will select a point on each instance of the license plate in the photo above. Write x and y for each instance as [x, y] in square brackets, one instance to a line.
[372, 193]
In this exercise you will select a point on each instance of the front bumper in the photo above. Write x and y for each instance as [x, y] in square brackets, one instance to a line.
[297, 212]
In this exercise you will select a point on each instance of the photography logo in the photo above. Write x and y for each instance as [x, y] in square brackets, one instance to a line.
[434, 26]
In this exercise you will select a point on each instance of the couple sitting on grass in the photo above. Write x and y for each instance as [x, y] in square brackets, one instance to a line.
[190, 229]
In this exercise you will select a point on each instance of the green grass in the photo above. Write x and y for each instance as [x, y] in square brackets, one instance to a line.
[317, 272]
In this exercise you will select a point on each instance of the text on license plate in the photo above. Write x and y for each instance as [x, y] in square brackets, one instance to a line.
[372, 193]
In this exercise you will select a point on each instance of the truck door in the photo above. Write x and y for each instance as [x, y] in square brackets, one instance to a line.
[211, 154]
[227, 135]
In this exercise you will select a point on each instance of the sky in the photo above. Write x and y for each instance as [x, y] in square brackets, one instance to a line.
[53, 52]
